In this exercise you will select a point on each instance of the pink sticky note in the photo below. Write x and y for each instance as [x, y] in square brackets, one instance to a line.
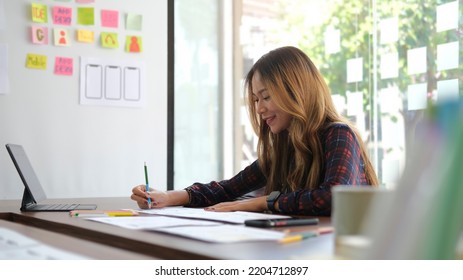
[109, 18]
[62, 15]
[39, 35]
[85, 1]
[64, 66]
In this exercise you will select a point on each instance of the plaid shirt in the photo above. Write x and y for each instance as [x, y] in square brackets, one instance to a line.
[343, 166]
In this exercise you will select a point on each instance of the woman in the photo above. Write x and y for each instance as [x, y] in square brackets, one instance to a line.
[305, 147]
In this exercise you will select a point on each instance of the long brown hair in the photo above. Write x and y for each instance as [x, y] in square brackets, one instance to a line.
[294, 158]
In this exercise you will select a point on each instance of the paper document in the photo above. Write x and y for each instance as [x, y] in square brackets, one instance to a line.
[151, 222]
[237, 217]
[225, 233]
[15, 246]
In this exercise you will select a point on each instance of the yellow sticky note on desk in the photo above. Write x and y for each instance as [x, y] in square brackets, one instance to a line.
[36, 61]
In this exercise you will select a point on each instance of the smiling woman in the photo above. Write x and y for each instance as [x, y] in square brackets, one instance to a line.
[305, 147]
[277, 119]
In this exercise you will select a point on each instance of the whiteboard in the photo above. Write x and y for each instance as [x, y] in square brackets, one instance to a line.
[85, 150]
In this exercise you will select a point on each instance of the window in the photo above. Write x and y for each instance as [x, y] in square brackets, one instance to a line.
[383, 60]
[197, 132]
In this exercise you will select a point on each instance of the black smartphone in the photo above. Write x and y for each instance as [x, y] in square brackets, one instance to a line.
[281, 222]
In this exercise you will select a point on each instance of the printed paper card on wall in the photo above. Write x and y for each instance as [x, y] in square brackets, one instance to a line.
[109, 40]
[39, 13]
[39, 35]
[64, 66]
[85, 36]
[110, 18]
[86, 16]
[61, 37]
[62, 15]
[108, 82]
[417, 96]
[133, 44]
[134, 22]
[447, 16]
[354, 70]
[36, 61]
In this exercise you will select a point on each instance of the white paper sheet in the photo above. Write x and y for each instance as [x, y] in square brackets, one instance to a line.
[447, 56]
[151, 222]
[447, 16]
[355, 70]
[390, 100]
[204, 230]
[225, 233]
[237, 217]
[109, 82]
[332, 41]
[389, 30]
[447, 90]
[389, 65]
[16, 246]
[416, 61]
[417, 96]
[354, 103]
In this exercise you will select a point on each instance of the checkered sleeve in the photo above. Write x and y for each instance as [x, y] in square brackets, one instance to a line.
[343, 165]
[249, 179]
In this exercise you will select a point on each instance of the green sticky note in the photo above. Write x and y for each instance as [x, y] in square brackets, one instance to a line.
[133, 44]
[39, 13]
[86, 16]
[109, 40]
[134, 22]
[36, 61]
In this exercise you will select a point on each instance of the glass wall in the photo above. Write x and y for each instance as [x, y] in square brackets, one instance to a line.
[384, 61]
[197, 98]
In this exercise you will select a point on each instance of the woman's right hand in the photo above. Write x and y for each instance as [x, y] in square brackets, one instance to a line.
[159, 199]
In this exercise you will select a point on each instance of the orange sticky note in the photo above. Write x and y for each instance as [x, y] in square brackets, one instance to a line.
[133, 44]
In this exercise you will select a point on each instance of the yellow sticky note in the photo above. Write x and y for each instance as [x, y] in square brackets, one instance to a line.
[85, 36]
[109, 40]
[36, 61]
[39, 13]
[133, 44]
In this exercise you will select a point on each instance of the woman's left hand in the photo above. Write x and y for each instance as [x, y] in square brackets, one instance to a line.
[258, 204]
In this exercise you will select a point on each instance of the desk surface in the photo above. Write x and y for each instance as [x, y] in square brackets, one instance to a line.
[146, 244]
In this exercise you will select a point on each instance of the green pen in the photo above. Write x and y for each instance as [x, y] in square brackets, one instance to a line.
[147, 185]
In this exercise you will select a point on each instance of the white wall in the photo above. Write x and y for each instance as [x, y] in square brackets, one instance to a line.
[83, 151]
